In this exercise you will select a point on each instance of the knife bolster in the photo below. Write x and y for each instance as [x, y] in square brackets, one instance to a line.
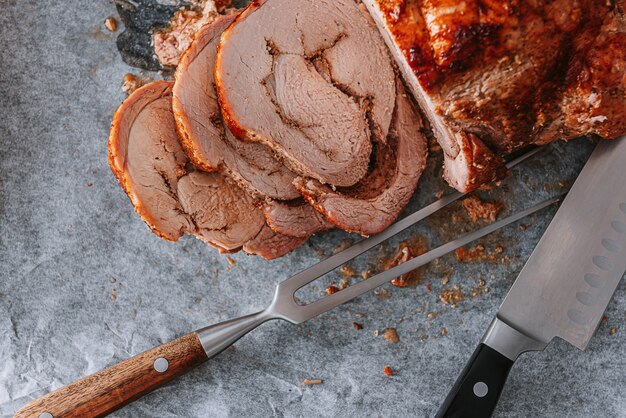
[508, 341]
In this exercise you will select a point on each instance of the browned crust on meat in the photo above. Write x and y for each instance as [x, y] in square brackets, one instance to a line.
[187, 144]
[185, 140]
[512, 73]
[313, 201]
[180, 116]
[117, 153]
[227, 113]
[484, 166]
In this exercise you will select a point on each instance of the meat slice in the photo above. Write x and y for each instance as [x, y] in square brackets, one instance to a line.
[376, 201]
[295, 219]
[171, 42]
[310, 79]
[222, 214]
[270, 245]
[147, 161]
[212, 147]
[495, 76]
[201, 130]
[171, 196]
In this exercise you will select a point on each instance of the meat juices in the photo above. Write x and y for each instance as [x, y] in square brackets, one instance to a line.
[169, 195]
[312, 85]
[495, 76]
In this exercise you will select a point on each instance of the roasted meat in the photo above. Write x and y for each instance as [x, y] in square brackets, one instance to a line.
[375, 202]
[310, 79]
[494, 76]
[295, 218]
[170, 195]
[270, 245]
[206, 141]
[211, 146]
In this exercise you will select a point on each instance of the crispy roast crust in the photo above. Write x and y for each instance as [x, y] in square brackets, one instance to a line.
[117, 148]
[227, 111]
[497, 75]
[480, 164]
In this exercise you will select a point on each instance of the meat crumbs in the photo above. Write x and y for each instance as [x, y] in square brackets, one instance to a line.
[391, 335]
[477, 209]
[331, 289]
[131, 82]
[452, 296]
[312, 381]
[406, 251]
[111, 24]
[348, 272]
[479, 253]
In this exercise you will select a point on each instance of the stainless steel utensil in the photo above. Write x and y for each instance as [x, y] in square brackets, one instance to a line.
[109, 389]
[564, 287]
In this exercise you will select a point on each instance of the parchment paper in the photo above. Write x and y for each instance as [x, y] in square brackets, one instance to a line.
[84, 284]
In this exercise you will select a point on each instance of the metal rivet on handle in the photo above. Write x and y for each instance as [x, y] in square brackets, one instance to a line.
[45, 415]
[161, 365]
[481, 389]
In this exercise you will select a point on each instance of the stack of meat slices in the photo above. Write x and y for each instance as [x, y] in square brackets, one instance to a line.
[283, 121]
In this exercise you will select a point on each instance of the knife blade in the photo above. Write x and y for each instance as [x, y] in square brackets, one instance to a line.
[564, 287]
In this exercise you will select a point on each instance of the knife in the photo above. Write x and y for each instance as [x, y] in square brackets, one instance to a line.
[564, 287]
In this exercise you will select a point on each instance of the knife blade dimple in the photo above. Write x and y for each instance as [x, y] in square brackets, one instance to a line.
[569, 279]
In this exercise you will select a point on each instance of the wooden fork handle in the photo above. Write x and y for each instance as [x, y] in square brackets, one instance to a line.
[102, 393]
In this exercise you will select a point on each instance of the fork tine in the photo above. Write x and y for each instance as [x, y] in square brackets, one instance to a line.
[304, 312]
[306, 276]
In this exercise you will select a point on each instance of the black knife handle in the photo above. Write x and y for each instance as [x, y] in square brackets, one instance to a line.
[477, 390]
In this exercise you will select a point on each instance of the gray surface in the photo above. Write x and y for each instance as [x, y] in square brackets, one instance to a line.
[62, 242]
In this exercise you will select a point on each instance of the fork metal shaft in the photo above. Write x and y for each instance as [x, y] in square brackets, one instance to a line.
[216, 338]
